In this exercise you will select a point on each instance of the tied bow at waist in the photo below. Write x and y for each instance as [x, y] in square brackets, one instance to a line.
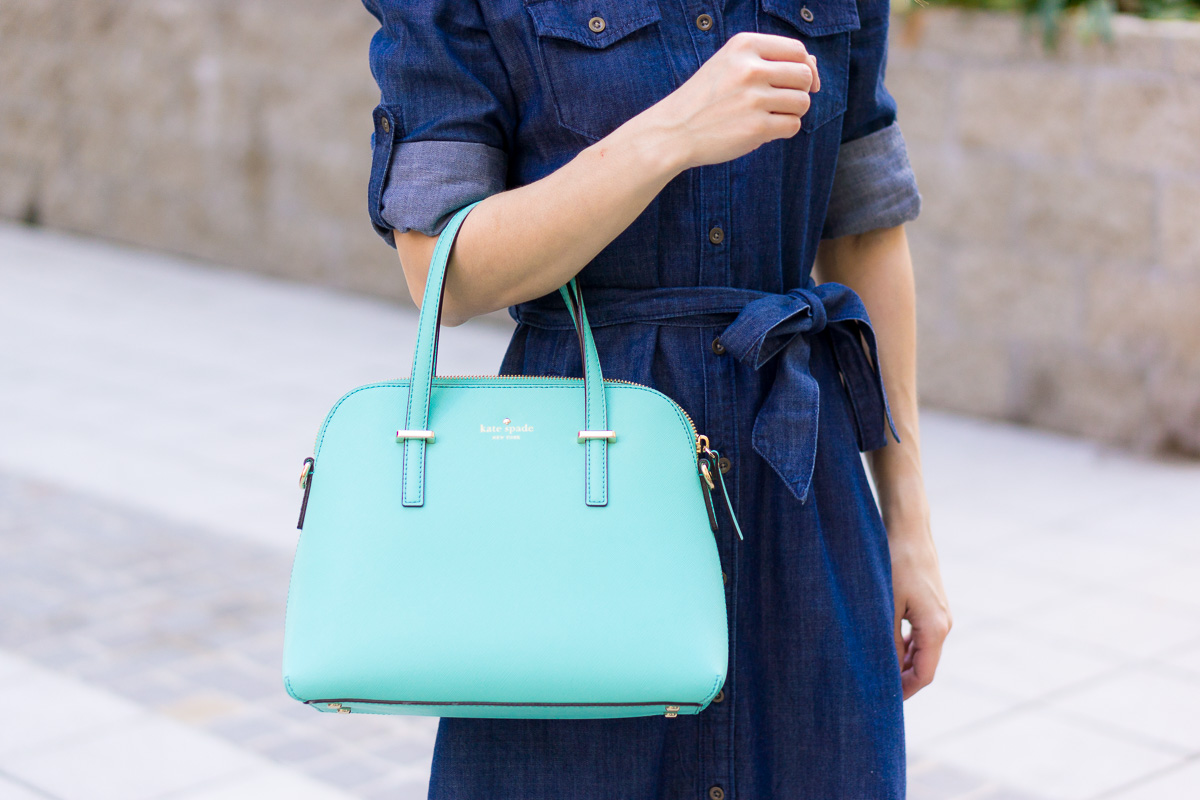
[764, 326]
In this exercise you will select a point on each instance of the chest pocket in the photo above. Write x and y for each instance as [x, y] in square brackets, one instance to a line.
[824, 26]
[605, 60]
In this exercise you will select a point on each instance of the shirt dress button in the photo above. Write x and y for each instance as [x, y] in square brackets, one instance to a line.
[385, 125]
[724, 464]
[596, 24]
[724, 577]
[720, 696]
[704, 22]
[806, 15]
[716, 235]
[716, 793]
[717, 347]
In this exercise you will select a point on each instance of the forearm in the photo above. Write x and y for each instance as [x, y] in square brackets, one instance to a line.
[878, 266]
[526, 242]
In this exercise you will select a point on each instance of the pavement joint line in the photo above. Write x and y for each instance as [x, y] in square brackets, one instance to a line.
[1144, 780]
[26, 785]
[152, 592]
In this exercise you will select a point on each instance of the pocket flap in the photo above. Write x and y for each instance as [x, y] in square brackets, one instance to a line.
[572, 19]
[816, 17]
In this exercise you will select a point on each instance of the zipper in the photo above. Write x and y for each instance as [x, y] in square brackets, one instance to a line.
[704, 456]
[691, 423]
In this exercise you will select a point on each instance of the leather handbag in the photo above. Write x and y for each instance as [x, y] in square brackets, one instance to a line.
[506, 546]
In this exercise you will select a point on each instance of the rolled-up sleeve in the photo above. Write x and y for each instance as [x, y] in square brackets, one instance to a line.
[444, 125]
[873, 185]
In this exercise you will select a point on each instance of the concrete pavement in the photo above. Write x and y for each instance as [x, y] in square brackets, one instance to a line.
[154, 413]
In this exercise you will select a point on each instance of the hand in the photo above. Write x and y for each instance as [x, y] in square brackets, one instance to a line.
[921, 599]
[754, 89]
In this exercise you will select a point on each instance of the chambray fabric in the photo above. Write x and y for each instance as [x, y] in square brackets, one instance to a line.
[873, 185]
[781, 374]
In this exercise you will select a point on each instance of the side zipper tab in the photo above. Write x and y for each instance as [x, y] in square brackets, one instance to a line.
[306, 475]
[705, 483]
[715, 458]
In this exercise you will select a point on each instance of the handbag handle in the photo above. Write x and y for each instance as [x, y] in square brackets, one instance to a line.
[416, 434]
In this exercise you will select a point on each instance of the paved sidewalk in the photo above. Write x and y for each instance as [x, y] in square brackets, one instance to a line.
[153, 416]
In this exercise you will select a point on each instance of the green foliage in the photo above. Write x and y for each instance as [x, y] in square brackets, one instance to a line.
[1096, 15]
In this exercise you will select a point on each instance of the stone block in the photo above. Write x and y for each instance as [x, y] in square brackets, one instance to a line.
[923, 99]
[31, 132]
[1138, 44]
[974, 35]
[1173, 425]
[1139, 315]
[1181, 228]
[1069, 389]
[19, 189]
[1013, 296]
[960, 373]
[1094, 214]
[1146, 123]
[965, 196]
[76, 201]
[1035, 110]
[1185, 51]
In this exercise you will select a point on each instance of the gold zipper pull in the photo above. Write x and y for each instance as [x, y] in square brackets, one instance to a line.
[701, 443]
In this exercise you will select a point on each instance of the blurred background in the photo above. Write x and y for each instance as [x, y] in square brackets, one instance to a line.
[189, 280]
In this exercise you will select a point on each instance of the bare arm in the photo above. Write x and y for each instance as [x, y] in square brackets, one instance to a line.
[877, 265]
[526, 242]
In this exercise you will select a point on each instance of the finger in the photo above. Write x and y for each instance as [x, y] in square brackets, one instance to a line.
[774, 47]
[926, 653]
[816, 84]
[790, 75]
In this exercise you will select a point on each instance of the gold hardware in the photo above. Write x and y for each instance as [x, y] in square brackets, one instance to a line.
[335, 706]
[672, 711]
[343, 710]
[304, 473]
[426, 435]
[701, 443]
[707, 475]
[609, 435]
[507, 421]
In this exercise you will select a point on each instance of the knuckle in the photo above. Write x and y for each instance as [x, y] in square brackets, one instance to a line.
[754, 70]
[741, 40]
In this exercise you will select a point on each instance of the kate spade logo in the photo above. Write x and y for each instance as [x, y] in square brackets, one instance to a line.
[507, 430]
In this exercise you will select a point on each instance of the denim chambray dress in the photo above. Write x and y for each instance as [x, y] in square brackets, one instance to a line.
[707, 297]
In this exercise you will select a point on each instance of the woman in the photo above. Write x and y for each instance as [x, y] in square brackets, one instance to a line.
[692, 164]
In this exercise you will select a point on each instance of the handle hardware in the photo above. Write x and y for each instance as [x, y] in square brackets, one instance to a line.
[401, 435]
[608, 436]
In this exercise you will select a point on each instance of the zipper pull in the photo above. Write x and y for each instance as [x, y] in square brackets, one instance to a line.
[305, 484]
[713, 457]
[706, 483]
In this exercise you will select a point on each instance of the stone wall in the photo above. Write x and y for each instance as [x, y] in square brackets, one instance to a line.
[232, 130]
[1058, 251]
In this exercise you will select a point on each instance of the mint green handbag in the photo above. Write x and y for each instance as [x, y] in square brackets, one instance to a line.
[521, 547]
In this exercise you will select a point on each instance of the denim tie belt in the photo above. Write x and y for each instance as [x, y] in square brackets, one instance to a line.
[764, 326]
